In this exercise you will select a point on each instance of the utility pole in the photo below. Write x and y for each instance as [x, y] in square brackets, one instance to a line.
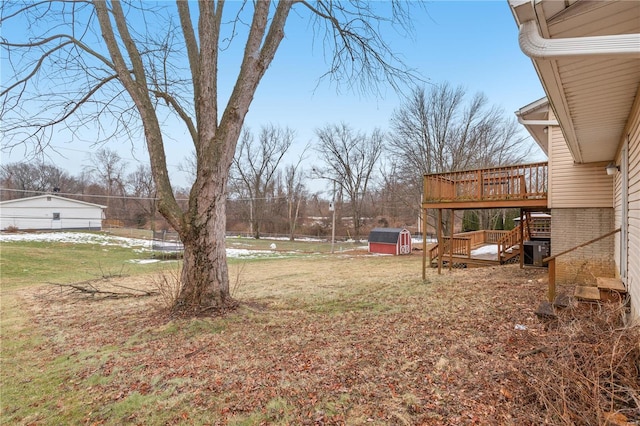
[333, 221]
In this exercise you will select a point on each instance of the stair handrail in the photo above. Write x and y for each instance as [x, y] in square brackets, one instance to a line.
[511, 237]
[552, 261]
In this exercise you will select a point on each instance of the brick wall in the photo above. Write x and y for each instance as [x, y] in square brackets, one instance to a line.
[573, 226]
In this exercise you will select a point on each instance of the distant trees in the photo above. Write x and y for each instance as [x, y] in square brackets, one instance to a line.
[292, 183]
[349, 159]
[255, 167]
[378, 176]
[34, 178]
[108, 168]
[140, 186]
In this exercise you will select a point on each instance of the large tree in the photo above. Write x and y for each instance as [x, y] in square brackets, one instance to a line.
[120, 63]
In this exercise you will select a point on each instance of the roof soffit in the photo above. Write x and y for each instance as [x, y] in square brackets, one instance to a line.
[590, 96]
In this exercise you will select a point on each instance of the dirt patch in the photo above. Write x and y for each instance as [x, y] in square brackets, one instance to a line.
[327, 341]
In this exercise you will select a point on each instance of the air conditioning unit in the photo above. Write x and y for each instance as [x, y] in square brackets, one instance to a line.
[535, 251]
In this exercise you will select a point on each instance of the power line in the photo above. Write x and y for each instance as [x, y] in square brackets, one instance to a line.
[127, 197]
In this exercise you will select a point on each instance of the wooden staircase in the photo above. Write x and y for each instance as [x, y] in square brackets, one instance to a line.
[510, 246]
[606, 290]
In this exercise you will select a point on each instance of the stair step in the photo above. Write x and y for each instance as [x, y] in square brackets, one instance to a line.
[587, 292]
[613, 284]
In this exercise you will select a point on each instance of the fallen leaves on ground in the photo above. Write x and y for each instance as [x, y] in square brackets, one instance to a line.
[403, 351]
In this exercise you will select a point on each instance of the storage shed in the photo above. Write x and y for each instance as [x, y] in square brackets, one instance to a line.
[390, 241]
[50, 212]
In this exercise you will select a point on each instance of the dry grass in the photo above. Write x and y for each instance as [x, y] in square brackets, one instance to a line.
[167, 285]
[588, 371]
[323, 340]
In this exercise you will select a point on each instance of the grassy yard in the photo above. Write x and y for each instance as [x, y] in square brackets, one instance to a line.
[318, 339]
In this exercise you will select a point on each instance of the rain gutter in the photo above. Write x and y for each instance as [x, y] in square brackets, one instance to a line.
[537, 47]
[537, 122]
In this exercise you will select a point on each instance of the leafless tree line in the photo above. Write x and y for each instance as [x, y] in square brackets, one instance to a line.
[372, 179]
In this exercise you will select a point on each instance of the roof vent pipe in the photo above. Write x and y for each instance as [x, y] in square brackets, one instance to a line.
[536, 47]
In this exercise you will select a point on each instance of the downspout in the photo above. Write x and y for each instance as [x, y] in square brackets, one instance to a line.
[537, 47]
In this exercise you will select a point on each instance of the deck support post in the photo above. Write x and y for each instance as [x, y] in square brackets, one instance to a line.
[440, 242]
[521, 240]
[453, 220]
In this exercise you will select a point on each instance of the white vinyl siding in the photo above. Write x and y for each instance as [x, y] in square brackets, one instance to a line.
[617, 217]
[633, 273]
[50, 212]
[575, 185]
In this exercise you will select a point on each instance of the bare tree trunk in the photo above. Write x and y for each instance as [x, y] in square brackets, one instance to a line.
[205, 278]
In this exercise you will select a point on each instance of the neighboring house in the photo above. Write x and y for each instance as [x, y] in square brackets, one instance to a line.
[587, 56]
[50, 212]
[390, 241]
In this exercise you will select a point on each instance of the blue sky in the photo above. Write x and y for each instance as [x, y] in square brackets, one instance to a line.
[473, 44]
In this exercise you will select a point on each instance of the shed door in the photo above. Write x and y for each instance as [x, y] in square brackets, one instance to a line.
[405, 243]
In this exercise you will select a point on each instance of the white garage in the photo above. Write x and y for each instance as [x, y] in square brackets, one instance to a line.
[50, 212]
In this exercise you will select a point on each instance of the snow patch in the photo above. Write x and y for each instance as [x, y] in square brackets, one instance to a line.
[490, 249]
[139, 245]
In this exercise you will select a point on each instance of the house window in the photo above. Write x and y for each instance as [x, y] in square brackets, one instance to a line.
[56, 216]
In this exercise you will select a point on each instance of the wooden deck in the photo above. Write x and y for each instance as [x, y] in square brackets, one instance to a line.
[520, 186]
[466, 247]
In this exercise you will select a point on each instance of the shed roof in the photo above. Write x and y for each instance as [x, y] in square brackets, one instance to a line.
[385, 235]
[22, 200]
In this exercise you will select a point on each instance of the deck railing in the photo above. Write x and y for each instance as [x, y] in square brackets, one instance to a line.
[511, 239]
[494, 236]
[476, 237]
[525, 181]
[461, 247]
[465, 242]
[483, 236]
